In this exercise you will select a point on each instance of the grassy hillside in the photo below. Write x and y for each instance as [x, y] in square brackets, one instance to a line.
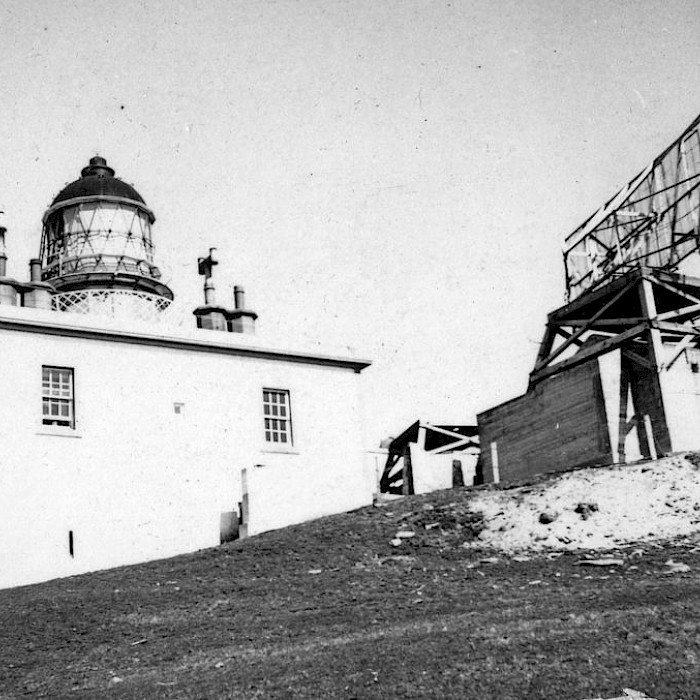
[333, 609]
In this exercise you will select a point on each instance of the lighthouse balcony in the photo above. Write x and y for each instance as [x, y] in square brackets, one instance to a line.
[113, 303]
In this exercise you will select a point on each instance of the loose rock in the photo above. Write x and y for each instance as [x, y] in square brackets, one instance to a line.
[601, 562]
[676, 567]
[585, 510]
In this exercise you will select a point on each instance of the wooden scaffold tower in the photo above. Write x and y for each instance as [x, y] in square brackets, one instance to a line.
[633, 278]
[617, 375]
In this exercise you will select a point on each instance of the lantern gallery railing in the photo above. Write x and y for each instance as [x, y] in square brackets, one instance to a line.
[99, 263]
[113, 303]
[652, 222]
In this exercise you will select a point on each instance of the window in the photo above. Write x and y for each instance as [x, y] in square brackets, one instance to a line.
[278, 416]
[58, 400]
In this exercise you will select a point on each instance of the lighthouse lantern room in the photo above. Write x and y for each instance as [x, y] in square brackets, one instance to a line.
[97, 249]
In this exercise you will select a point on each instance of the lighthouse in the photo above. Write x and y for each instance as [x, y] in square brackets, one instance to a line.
[97, 247]
[134, 428]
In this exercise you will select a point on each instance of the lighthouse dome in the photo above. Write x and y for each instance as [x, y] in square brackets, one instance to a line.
[97, 180]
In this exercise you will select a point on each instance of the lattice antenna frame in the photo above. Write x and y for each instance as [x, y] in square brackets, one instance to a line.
[653, 222]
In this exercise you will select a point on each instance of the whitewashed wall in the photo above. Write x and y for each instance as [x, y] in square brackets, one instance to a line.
[432, 472]
[136, 481]
[681, 392]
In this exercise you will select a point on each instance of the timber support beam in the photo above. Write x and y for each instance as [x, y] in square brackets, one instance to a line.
[638, 312]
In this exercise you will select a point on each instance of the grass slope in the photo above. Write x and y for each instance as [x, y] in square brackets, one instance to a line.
[331, 609]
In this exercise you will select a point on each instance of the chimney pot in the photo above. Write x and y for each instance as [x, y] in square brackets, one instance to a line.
[239, 297]
[209, 293]
[35, 270]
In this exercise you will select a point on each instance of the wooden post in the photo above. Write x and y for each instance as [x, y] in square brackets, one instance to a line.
[623, 425]
[494, 463]
[420, 441]
[646, 295]
[245, 505]
[457, 474]
[656, 356]
[407, 486]
[546, 344]
[650, 437]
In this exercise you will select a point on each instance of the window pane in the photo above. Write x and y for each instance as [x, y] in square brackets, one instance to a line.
[277, 417]
[57, 396]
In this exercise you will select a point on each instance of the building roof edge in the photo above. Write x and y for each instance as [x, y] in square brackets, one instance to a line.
[39, 323]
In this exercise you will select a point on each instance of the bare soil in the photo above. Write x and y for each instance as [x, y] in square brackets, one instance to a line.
[331, 609]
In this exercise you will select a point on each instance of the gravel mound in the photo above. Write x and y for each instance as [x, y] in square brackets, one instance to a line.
[597, 508]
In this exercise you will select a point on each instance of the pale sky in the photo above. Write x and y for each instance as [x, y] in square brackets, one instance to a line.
[392, 176]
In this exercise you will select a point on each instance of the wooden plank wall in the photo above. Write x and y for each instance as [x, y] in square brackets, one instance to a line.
[559, 424]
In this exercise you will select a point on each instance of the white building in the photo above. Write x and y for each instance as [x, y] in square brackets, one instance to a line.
[127, 437]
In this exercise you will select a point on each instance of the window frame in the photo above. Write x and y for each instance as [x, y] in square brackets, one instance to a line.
[274, 413]
[51, 396]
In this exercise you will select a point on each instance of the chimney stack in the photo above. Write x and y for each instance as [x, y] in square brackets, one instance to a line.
[39, 294]
[210, 316]
[240, 320]
[218, 318]
[8, 292]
